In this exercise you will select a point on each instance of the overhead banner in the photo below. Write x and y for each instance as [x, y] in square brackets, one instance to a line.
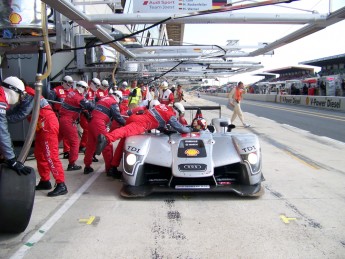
[176, 6]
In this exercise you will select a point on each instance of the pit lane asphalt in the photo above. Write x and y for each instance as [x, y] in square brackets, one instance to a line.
[301, 215]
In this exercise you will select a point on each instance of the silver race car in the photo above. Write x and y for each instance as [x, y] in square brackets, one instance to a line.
[212, 160]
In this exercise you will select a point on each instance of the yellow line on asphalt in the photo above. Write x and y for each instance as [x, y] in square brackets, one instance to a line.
[286, 220]
[302, 161]
[88, 221]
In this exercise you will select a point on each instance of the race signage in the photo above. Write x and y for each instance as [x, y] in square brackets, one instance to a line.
[176, 6]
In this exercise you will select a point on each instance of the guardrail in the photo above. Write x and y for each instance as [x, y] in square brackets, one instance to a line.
[336, 103]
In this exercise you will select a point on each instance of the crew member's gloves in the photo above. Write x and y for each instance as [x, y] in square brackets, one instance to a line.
[19, 167]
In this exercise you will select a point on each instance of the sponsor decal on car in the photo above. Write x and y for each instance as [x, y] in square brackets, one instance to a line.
[192, 167]
[192, 152]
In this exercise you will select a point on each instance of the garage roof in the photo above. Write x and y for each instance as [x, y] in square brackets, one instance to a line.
[337, 59]
[292, 69]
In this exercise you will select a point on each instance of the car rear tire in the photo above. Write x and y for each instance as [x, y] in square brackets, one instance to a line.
[17, 195]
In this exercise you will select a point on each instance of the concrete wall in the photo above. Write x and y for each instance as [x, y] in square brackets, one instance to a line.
[326, 102]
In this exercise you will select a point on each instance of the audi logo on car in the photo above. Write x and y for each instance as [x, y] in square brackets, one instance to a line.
[192, 167]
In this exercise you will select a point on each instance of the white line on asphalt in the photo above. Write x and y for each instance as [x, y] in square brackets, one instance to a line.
[295, 129]
[53, 219]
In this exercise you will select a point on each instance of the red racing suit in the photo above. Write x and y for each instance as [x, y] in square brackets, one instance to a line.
[46, 149]
[166, 97]
[6, 149]
[157, 117]
[115, 162]
[71, 108]
[144, 92]
[59, 94]
[47, 143]
[90, 96]
[100, 94]
[125, 96]
[106, 109]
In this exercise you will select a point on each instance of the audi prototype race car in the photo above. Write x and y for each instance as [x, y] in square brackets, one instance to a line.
[211, 160]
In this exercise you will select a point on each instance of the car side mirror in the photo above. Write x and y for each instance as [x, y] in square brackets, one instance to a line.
[223, 124]
[230, 127]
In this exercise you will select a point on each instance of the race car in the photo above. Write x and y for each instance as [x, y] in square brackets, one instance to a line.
[211, 160]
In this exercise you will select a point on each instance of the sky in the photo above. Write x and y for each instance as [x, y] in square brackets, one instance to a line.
[327, 42]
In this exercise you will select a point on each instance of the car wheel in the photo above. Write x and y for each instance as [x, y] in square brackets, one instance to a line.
[17, 195]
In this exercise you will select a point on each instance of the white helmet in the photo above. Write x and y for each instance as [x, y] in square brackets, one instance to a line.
[153, 103]
[124, 84]
[13, 87]
[118, 95]
[15, 84]
[67, 82]
[105, 85]
[164, 85]
[144, 103]
[95, 83]
[81, 86]
[179, 107]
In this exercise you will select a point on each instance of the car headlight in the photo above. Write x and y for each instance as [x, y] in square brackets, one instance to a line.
[131, 162]
[253, 158]
[131, 159]
[254, 161]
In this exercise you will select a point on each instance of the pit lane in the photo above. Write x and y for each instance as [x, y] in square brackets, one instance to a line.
[299, 216]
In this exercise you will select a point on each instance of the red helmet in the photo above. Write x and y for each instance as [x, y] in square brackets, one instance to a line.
[199, 123]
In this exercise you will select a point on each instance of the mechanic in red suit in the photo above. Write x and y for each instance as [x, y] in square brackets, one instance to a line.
[125, 93]
[73, 105]
[106, 110]
[11, 91]
[156, 117]
[115, 162]
[59, 94]
[103, 91]
[46, 149]
[166, 96]
[85, 116]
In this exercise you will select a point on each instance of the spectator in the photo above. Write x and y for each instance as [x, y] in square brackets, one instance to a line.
[305, 89]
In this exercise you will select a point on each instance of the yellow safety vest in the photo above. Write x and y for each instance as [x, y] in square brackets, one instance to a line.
[135, 99]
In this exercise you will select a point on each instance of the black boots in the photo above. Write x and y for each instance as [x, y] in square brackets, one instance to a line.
[101, 144]
[94, 158]
[82, 149]
[73, 167]
[60, 189]
[113, 172]
[65, 155]
[43, 185]
[88, 169]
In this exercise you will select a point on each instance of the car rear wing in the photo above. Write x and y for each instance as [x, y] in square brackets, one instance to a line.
[204, 108]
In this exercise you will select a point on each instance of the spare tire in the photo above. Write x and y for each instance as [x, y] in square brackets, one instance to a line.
[17, 195]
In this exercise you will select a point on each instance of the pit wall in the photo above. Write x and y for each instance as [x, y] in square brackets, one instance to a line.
[326, 102]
